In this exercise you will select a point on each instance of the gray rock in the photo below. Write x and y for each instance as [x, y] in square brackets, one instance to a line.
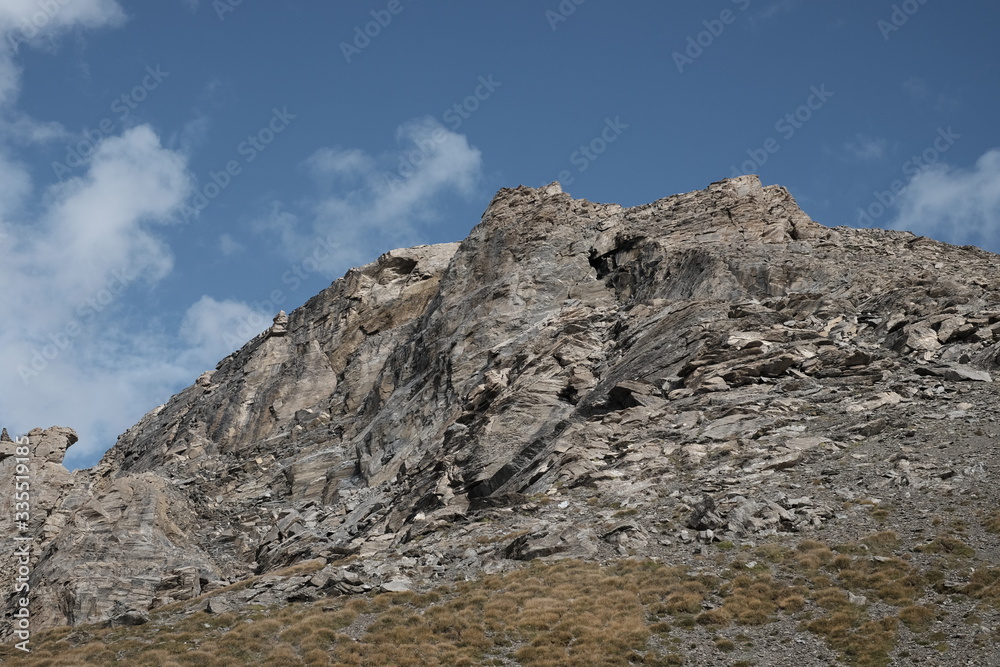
[396, 586]
[551, 387]
[966, 374]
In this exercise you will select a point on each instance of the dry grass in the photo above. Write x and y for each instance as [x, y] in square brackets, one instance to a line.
[891, 579]
[563, 613]
[812, 555]
[918, 618]
[862, 643]
[882, 543]
[985, 586]
[948, 546]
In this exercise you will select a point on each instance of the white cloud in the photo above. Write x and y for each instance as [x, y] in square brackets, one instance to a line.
[330, 164]
[48, 18]
[18, 128]
[79, 253]
[214, 329]
[72, 352]
[373, 203]
[97, 220]
[28, 22]
[960, 206]
[867, 148]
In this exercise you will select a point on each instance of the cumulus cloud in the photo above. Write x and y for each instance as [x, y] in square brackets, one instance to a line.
[370, 203]
[97, 219]
[69, 348]
[960, 206]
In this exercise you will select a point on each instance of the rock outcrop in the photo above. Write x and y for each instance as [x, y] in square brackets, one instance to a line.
[596, 381]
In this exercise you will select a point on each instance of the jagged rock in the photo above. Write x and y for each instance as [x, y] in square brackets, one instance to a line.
[51, 444]
[569, 543]
[573, 380]
[966, 374]
[280, 325]
[703, 513]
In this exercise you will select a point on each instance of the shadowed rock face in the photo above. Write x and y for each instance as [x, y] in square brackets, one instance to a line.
[563, 345]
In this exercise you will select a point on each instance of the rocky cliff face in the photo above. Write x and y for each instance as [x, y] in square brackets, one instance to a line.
[572, 379]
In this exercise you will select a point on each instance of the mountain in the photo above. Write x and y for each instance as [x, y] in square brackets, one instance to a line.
[686, 381]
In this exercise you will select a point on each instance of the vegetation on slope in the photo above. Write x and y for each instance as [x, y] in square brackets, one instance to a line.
[858, 598]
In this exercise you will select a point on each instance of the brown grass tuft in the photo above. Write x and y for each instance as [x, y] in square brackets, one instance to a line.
[949, 546]
[918, 618]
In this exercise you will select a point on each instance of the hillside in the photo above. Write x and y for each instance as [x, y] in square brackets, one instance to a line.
[710, 427]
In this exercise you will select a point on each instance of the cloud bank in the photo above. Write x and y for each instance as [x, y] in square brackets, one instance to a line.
[960, 206]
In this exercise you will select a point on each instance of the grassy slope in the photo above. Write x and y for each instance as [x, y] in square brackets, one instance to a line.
[578, 613]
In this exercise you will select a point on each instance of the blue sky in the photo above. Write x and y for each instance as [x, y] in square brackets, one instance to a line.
[174, 172]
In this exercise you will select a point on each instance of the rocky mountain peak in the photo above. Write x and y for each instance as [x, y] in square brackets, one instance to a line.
[571, 380]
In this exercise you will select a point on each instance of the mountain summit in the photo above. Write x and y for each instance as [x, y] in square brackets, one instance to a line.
[573, 380]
